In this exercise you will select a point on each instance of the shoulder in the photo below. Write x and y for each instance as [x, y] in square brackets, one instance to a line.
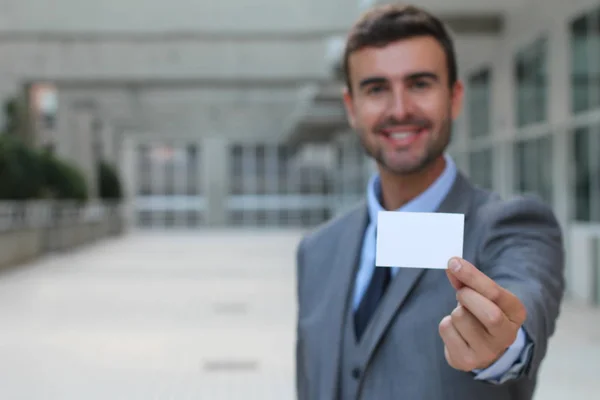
[328, 232]
[317, 249]
[492, 211]
[522, 222]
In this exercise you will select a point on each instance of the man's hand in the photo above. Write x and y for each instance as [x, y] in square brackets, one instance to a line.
[485, 322]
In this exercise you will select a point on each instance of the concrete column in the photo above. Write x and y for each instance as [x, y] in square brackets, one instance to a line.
[200, 180]
[503, 96]
[272, 178]
[460, 137]
[81, 153]
[61, 142]
[181, 178]
[502, 125]
[504, 169]
[216, 178]
[158, 182]
[129, 163]
[108, 143]
[559, 111]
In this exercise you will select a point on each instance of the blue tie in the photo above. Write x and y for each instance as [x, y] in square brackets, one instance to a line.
[377, 286]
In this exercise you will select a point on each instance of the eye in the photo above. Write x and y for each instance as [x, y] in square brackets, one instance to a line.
[375, 89]
[421, 84]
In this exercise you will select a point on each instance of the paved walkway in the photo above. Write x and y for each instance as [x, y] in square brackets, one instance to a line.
[190, 316]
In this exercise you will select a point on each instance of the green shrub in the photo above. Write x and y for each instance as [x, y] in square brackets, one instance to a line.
[27, 173]
[109, 185]
[12, 123]
[62, 180]
[21, 170]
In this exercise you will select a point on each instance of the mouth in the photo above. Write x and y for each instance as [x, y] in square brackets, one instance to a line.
[402, 138]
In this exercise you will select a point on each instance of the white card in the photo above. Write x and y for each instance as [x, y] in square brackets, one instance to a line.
[418, 240]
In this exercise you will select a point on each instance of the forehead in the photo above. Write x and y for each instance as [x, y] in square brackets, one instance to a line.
[398, 59]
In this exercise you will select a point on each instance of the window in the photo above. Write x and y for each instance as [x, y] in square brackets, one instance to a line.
[531, 78]
[283, 160]
[479, 88]
[594, 59]
[168, 167]
[144, 170]
[481, 170]
[585, 96]
[235, 169]
[351, 174]
[533, 167]
[585, 61]
[586, 174]
[260, 162]
[580, 85]
[192, 167]
[269, 188]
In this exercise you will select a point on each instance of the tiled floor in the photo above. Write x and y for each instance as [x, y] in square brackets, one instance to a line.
[572, 368]
[190, 316]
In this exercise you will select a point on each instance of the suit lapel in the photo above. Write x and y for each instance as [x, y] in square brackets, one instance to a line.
[457, 201]
[345, 264]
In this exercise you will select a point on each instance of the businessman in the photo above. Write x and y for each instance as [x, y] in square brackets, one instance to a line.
[478, 329]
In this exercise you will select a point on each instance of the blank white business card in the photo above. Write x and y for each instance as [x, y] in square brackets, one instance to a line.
[418, 240]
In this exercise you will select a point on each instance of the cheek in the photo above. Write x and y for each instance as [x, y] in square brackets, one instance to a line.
[435, 110]
[368, 115]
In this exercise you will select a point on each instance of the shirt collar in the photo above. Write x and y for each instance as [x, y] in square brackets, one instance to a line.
[428, 201]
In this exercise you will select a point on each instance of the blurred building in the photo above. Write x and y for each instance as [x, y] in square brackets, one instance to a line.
[531, 121]
[228, 113]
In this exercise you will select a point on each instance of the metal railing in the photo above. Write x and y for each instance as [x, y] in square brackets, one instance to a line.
[16, 215]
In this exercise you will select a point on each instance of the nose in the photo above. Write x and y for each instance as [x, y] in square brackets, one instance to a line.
[399, 104]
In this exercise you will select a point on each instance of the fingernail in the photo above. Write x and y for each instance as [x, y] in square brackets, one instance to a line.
[454, 265]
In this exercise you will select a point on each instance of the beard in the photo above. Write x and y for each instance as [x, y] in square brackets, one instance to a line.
[408, 164]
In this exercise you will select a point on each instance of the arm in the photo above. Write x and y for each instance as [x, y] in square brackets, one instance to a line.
[510, 364]
[300, 377]
[523, 252]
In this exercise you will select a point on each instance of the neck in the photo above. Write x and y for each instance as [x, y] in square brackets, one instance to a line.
[399, 189]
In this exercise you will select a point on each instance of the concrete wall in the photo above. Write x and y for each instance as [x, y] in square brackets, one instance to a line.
[181, 39]
[194, 111]
[20, 246]
[23, 245]
[184, 15]
[164, 57]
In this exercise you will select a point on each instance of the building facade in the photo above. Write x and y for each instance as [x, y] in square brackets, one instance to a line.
[531, 123]
[220, 114]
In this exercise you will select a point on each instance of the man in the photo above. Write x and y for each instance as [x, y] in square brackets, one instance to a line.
[479, 329]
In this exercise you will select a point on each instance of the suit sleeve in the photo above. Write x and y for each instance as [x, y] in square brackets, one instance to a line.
[300, 373]
[523, 251]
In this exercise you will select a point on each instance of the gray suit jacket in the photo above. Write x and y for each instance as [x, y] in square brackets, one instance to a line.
[516, 242]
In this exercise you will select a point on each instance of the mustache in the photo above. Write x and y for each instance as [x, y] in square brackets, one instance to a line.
[392, 123]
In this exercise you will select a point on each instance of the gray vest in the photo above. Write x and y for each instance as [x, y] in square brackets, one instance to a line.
[353, 358]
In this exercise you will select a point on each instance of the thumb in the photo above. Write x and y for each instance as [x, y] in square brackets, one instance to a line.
[454, 281]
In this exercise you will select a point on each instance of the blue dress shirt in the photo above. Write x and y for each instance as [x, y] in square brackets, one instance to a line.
[515, 358]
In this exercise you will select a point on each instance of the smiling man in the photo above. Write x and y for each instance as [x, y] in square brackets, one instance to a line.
[478, 330]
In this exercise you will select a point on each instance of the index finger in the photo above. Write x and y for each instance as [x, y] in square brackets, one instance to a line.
[470, 276]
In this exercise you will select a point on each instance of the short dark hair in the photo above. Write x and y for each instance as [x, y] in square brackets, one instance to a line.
[388, 23]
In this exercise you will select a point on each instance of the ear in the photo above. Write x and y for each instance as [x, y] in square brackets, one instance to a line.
[349, 105]
[457, 96]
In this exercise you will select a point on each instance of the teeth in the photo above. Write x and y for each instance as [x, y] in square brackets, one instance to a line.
[401, 135]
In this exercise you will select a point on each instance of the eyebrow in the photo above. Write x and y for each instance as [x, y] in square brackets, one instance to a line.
[372, 80]
[410, 77]
[421, 75]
